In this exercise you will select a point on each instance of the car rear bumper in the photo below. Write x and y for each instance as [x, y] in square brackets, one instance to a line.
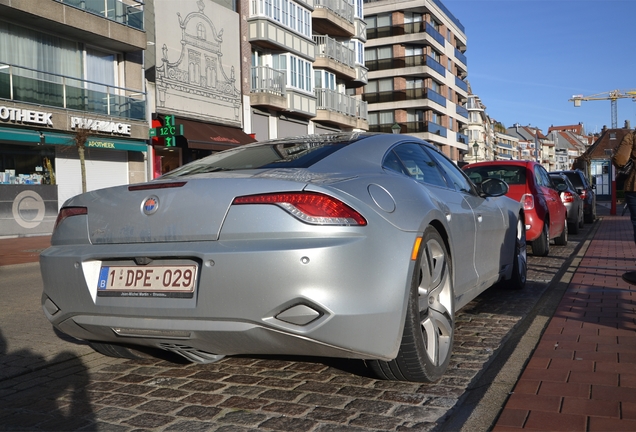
[341, 296]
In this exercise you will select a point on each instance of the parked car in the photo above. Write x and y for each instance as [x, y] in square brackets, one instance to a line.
[344, 245]
[586, 190]
[530, 184]
[572, 201]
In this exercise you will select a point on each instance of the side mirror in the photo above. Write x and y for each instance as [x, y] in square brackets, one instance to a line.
[494, 187]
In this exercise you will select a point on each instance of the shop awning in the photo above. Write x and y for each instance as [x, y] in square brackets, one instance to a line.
[207, 136]
[19, 135]
[96, 142]
[57, 138]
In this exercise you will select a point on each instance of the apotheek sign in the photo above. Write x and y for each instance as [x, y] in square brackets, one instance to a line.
[31, 117]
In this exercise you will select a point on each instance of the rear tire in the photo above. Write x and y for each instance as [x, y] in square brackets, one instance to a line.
[541, 246]
[427, 341]
[520, 263]
[562, 240]
[582, 220]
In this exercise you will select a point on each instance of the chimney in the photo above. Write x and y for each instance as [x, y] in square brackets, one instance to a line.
[627, 125]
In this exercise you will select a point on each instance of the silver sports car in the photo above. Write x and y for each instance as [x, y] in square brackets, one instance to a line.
[349, 245]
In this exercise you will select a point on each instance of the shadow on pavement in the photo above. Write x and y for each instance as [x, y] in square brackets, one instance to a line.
[41, 400]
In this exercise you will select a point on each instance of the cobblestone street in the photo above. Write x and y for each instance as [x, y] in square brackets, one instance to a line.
[70, 387]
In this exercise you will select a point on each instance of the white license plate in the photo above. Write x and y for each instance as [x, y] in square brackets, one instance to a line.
[140, 281]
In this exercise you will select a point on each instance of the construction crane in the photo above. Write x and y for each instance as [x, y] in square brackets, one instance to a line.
[613, 96]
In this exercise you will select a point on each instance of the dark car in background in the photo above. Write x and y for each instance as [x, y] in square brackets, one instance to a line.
[530, 184]
[586, 190]
[572, 201]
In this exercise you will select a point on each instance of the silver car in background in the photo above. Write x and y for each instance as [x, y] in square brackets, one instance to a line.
[571, 200]
[347, 245]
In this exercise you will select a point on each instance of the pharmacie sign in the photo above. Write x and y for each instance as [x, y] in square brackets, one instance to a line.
[103, 126]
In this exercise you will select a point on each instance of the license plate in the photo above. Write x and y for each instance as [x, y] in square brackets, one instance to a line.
[147, 281]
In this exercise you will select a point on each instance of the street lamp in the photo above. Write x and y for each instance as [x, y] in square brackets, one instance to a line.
[475, 150]
[396, 128]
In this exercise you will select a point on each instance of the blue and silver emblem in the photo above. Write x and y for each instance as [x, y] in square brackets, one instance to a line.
[150, 205]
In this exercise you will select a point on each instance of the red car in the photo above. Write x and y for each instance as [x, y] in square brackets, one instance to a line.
[530, 184]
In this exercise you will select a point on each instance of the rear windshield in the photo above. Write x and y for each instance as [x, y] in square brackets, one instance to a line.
[300, 154]
[511, 174]
[575, 179]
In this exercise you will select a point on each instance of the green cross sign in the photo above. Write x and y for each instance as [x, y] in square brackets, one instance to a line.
[169, 131]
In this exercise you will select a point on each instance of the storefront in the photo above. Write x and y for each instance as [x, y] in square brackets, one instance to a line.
[199, 140]
[40, 166]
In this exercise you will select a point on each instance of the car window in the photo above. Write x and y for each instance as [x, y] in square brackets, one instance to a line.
[511, 174]
[416, 163]
[542, 177]
[576, 179]
[454, 175]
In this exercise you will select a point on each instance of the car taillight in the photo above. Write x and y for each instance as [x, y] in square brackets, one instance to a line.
[528, 201]
[66, 212]
[309, 207]
[583, 194]
[567, 197]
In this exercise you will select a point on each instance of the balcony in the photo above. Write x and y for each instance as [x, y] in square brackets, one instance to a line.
[268, 88]
[404, 62]
[404, 95]
[461, 111]
[461, 138]
[405, 29]
[333, 17]
[412, 127]
[333, 55]
[461, 84]
[113, 10]
[21, 84]
[460, 56]
[341, 109]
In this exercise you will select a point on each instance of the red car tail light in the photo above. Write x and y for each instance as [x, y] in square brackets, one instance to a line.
[66, 212]
[309, 207]
[528, 201]
[583, 194]
[567, 197]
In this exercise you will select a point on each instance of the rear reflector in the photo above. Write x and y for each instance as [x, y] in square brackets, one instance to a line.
[149, 186]
[310, 207]
[66, 212]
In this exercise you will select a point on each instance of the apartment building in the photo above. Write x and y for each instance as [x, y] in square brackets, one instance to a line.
[306, 58]
[478, 130]
[68, 66]
[417, 71]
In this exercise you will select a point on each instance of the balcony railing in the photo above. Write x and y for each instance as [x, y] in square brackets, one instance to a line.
[461, 111]
[412, 127]
[331, 48]
[268, 80]
[114, 10]
[331, 100]
[403, 95]
[460, 56]
[462, 138]
[21, 84]
[406, 28]
[402, 62]
[461, 84]
[339, 7]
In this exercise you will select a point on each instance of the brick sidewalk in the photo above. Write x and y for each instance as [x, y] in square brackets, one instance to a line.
[582, 374]
[22, 250]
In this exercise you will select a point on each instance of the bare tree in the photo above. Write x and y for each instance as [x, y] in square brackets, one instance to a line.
[80, 138]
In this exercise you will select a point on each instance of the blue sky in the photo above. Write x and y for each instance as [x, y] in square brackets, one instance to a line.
[526, 58]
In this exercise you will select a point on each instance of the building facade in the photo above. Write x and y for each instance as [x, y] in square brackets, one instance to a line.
[417, 71]
[302, 61]
[68, 66]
